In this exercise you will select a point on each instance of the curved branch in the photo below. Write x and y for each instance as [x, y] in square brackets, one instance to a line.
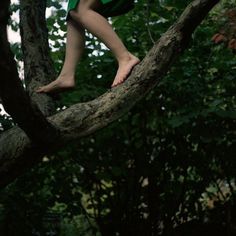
[85, 118]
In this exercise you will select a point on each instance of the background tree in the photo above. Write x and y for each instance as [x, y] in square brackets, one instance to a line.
[227, 32]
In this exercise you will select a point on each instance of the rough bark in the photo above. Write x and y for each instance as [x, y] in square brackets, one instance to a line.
[38, 66]
[83, 119]
[15, 100]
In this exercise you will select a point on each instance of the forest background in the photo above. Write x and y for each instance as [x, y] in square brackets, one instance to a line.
[165, 168]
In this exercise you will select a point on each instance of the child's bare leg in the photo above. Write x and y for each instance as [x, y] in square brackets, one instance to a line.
[74, 48]
[87, 16]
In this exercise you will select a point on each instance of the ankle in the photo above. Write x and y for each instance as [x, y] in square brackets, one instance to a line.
[66, 76]
[124, 57]
[128, 58]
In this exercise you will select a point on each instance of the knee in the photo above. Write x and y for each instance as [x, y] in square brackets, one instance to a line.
[72, 14]
[77, 16]
[82, 10]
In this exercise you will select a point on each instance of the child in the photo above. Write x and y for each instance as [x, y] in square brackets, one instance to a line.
[90, 15]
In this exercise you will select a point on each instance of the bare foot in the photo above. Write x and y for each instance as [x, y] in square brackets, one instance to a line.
[62, 83]
[125, 67]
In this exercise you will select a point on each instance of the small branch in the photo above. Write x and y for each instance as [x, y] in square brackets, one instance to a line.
[148, 22]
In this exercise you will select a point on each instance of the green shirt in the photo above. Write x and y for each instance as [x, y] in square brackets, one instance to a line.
[110, 8]
[73, 3]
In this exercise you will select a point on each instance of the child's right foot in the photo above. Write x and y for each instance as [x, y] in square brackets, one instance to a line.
[58, 85]
[125, 68]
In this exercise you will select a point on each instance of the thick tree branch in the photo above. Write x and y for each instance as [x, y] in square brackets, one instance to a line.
[85, 118]
[14, 99]
[38, 66]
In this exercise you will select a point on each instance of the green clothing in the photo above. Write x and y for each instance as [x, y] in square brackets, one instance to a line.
[110, 7]
[73, 3]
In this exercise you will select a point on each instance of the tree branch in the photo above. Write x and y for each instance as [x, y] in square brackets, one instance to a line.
[85, 118]
[38, 66]
[14, 99]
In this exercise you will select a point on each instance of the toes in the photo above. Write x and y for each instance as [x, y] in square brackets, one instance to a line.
[120, 81]
[116, 84]
[40, 90]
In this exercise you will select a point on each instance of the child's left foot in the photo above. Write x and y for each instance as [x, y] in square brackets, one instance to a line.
[125, 67]
[62, 83]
